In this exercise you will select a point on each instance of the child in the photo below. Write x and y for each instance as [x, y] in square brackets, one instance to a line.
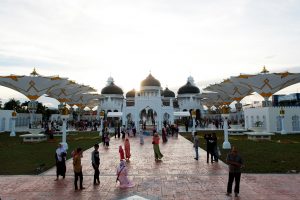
[121, 151]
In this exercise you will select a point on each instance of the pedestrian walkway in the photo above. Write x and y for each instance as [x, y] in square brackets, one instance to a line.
[177, 176]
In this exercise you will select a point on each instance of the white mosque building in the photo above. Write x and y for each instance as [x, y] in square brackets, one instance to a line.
[151, 105]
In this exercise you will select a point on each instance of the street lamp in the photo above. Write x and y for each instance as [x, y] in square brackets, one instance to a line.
[13, 124]
[281, 113]
[64, 115]
[101, 122]
[225, 115]
[194, 122]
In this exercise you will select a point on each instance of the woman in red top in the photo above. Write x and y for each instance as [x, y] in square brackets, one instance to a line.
[121, 151]
[155, 142]
[127, 149]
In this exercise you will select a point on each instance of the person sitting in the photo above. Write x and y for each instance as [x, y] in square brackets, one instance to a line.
[122, 173]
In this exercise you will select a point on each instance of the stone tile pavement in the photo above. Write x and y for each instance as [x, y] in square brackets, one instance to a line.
[177, 176]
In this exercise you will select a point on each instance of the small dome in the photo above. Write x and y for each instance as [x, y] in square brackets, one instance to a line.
[131, 93]
[189, 88]
[150, 81]
[167, 93]
[112, 89]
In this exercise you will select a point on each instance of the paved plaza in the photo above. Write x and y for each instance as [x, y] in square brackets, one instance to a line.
[177, 176]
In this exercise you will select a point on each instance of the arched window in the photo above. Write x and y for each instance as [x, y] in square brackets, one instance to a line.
[278, 123]
[252, 121]
[295, 123]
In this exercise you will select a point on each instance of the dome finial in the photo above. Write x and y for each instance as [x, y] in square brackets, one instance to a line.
[110, 80]
[191, 80]
[34, 73]
[264, 71]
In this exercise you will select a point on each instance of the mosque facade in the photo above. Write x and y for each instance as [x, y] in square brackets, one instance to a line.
[151, 105]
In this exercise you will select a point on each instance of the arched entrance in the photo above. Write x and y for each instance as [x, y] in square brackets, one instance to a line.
[129, 119]
[148, 117]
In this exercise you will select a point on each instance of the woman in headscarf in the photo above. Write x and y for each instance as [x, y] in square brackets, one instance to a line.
[122, 176]
[127, 149]
[155, 142]
[121, 151]
[141, 136]
[60, 157]
[164, 135]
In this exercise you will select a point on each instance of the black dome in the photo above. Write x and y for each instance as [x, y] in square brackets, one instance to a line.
[131, 93]
[112, 89]
[150, 81]
[167, 93]
[188, 88]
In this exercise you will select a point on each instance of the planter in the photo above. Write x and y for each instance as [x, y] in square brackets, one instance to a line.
[258, 129]
[236, 126]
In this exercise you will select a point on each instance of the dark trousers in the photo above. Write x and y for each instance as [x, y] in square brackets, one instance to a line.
[208, 151]
[80, 176]
[96, 174]
[234, 176]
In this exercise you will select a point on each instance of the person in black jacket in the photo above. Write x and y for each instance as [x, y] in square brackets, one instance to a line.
[215, 147]
[96, 163]
[209, 147]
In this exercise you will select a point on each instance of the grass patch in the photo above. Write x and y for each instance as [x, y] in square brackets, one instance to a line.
[280, 155]
[23, 158]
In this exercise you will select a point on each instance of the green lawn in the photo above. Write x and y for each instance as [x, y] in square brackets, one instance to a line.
[23, 158]
[280, 155]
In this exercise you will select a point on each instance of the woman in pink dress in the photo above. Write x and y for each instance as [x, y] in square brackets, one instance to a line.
[127, 149]
[122, 176]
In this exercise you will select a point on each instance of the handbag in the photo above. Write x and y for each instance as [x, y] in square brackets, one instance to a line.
[153, 142]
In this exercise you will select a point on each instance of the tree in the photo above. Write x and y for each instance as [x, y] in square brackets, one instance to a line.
[13, 104]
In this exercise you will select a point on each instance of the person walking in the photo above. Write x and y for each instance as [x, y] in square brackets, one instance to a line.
[127, 149]
[96, 163]
[122, 174]
[121, 152]
[141, 136]
[60, 158]
[155, 141]
[235, 163]
[123, 132]
[196, 145]
[78, 168]
[215, 147]
[209, 147]
[164, 135]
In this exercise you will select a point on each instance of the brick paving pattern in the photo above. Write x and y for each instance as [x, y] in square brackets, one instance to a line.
[177, 176]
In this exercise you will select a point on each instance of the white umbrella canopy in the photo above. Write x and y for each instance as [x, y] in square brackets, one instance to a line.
[82, 100]
[235, 91]
[216, 99]
[32, 86]
[265, 83]
[64, 93]
[93, 103]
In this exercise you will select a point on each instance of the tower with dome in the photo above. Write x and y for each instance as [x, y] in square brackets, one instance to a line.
[151, 105]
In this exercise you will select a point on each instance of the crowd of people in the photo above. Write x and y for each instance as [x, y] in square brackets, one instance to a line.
[233, 159]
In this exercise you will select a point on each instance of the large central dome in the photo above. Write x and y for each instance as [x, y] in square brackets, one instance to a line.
[111, 88]
[150, 81]
[189, 87]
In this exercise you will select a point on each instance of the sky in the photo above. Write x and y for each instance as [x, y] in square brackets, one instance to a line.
[88, 41]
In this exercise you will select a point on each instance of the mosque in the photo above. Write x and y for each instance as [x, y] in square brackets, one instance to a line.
[151, 105]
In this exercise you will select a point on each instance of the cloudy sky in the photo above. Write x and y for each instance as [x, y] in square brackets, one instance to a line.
[88, 41]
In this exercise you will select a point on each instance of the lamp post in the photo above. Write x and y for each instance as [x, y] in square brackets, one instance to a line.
[64, 115]
[194, 122]
[101, 122]
[225, 115]
[32, 107]
[13, 124]
[281, 113]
